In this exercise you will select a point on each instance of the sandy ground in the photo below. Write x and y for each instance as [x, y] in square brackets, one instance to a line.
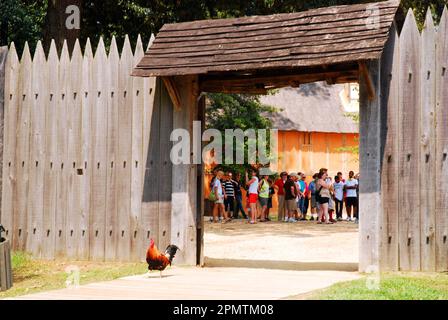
[279, 245]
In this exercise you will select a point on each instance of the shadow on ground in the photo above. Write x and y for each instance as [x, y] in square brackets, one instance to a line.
[281, 265]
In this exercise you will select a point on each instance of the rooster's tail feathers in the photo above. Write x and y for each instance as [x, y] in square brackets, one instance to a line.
[170, 252]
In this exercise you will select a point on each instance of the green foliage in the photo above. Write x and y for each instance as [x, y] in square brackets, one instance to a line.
[22, 21]
[237, 111]
[421, 6]
[352, 149]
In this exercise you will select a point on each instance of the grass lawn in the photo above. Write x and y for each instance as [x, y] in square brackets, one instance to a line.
[393, 286]
[32, 276]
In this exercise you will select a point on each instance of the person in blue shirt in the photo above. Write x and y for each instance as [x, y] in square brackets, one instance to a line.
[312, 190]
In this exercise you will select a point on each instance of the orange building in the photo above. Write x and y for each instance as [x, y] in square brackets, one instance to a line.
[314, 130]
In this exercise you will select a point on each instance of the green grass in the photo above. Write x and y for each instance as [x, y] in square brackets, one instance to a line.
[31, 276]
[393, 286]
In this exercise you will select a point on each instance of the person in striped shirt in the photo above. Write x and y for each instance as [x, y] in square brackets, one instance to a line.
[229, 197]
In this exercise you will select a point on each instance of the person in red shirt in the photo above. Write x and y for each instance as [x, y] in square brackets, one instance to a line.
[278, 187]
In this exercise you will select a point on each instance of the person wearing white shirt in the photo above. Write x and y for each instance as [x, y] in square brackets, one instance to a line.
[338, 187]
[252, 183]
[351, 200]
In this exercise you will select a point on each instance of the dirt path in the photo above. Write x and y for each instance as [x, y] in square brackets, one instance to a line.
[279, 245]
[203, 283]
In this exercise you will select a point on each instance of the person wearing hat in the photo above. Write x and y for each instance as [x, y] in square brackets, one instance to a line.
[278, 187]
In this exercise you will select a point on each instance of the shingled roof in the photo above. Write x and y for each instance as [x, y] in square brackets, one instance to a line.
[322, 36]
[314, 107]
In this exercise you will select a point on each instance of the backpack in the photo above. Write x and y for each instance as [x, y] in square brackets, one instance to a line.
[212, 196]
[317, 196]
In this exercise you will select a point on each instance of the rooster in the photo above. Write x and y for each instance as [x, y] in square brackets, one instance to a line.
[157, 260]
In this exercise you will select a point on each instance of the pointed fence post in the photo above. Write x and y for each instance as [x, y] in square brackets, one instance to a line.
[441, 218]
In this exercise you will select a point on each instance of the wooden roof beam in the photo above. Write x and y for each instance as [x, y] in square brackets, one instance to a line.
[280, 81]
[364, 72]
[170, 85]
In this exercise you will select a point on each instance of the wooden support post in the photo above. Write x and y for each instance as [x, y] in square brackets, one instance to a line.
[3, 54]
[370, 166]
[364, 72]
[171, 87]
[184, 180]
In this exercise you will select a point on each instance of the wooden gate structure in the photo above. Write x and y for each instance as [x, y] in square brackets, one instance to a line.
[90, 175]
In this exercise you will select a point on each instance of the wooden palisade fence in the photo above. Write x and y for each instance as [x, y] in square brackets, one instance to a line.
[410, 228]
[86, 160]
[80, 172]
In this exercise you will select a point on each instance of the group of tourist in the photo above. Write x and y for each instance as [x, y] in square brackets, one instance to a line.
[324, 196]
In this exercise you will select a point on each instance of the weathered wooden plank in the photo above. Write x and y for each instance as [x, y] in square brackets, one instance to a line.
[73, 94]
[146, 70]
[268, 39]
[389, 171]
[124, 153]
[98, 142]
[266, 46]
[137, 174]
[150, 195]
[409, 218]
[316, 23]
[166, 167]
[11, 100]
[112, 137]
[427, 164]
[275, 55]
[3, 57]
[3, 281]
[22, 151]
[63, 165]
[200, 188]
[441, 219]
[36, 162]
[184, 178]
[85, 167]
[51, 163]
[370, 210]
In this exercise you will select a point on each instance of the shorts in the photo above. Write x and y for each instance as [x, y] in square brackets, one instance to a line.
[270, 203]
[324, 200]
[263, 201]
[351, 202]
[220, 200]
[313, 201]
[291, 205]
[253, 197]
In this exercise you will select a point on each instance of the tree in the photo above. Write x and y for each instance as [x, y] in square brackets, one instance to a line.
[237, 111]
[21, 21]
[62, 23]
